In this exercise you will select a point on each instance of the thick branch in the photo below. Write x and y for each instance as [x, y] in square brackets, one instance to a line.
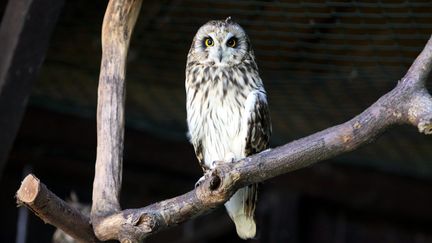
[117, 27]
[408, 102]
[34, 195]
[420, 69]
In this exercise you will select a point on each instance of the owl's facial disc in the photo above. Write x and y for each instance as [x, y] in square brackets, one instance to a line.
[221, 49]
[220, 43]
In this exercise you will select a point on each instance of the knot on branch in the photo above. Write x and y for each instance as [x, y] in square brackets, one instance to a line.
[215, 182]
[425, 126]
[147, 223]
[220, 185]
[127, 226]
[420, 111]
[137, 226]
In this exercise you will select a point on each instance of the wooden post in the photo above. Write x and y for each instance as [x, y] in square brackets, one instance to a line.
[24, 37]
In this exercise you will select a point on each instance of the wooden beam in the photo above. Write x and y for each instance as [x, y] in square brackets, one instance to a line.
[24, 36]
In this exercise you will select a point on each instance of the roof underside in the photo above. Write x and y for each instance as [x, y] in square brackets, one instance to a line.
[322, 63]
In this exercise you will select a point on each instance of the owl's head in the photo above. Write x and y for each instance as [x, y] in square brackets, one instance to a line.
[220, 43]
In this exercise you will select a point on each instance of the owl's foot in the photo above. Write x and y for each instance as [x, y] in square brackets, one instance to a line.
[199, 182]
[206, 175]
[217, 163]
[209, 170]
[230, 158]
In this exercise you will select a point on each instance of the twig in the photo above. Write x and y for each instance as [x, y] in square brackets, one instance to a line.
[46, 205]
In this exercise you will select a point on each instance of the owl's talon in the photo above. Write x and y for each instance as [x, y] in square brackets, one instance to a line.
[200, 181]
[216, 163]
[213, 164]
[230, 158]
[203, 178]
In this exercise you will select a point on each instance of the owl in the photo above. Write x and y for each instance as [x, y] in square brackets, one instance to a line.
[227, 111]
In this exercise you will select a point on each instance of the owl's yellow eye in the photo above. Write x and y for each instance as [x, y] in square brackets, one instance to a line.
[208, 42]
[232, 42]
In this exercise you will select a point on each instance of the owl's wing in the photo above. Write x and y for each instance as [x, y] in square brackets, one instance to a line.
[257, 130]
[257, 122]
[199, 154]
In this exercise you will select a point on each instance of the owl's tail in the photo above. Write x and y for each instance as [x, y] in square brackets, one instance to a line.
[241, 208]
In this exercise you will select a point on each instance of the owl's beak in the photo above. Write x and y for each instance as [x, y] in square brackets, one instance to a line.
[220, 54]
[216, 55]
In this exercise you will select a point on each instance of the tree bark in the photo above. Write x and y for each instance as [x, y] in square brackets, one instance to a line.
[408, 103]
[117, 28]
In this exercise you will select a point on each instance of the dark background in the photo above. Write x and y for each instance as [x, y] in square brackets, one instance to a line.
[322, 62]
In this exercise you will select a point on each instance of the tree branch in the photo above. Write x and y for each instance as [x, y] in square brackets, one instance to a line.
[51, 209]
[118, 23]
[409, 103]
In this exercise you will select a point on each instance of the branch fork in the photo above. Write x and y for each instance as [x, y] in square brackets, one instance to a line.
[408, 103]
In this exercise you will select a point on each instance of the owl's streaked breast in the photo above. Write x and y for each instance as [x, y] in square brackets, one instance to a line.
[215, 100]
